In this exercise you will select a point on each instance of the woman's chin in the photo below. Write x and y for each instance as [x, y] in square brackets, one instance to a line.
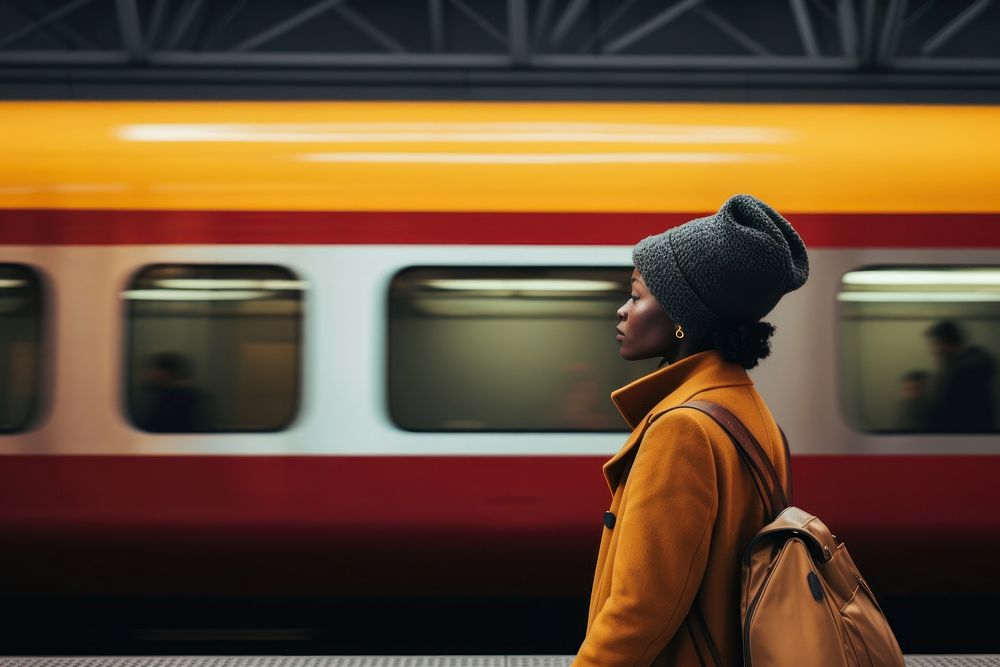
[631, 355]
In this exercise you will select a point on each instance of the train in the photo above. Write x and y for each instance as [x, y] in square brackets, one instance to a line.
[356, 356]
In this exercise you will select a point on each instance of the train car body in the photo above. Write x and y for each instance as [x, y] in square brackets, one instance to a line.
[343, 501]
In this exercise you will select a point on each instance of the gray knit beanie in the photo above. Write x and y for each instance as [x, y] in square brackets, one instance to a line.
[726, 269]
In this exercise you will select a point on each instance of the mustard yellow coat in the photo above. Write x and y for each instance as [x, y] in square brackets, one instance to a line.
[683, 515]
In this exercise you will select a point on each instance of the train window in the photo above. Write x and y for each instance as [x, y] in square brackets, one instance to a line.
[20, 346]
[213, 348]
[920, 347]
[507, 349]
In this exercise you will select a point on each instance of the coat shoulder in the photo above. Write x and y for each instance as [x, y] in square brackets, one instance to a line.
[685, 430]
[678, 430]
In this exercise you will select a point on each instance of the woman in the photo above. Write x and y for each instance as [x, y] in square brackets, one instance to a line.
[684, 507]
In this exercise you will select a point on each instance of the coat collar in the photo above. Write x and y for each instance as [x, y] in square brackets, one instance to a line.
[663, 389]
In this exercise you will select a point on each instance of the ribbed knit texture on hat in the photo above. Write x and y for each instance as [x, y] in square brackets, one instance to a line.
[726, 269]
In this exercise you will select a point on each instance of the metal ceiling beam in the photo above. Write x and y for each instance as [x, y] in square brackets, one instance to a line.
[67, 33]
[403, 61]
[915, 15]
[128, 23]
[577, 78]
[517, 32]
[891, 30]
[607, 24]
[824, 10]
[495, 61]
[868, 45]
[156, 22]
[728, 63]
[650, 26]
[869, 32]
[971, 65]
[944, 35]
[847, 23]
[804, 24]
[370, 29]
[234, 11]
[55, 15]
[287, 25]
[435, 21]
[480, 21]
[68, 58]
[541, 20]
[731, 31]
[187, 15]
[566, 21]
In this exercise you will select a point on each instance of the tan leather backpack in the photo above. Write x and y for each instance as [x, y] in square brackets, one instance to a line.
[803, 602]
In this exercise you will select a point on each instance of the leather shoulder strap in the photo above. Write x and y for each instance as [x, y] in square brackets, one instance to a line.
[765, 477]
[788, 467]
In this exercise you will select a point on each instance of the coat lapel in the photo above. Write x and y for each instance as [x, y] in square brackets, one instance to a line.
[648, 397]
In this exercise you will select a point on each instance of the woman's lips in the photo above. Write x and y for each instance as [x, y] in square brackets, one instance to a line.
[620, 335]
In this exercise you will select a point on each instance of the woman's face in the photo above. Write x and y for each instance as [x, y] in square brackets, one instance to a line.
[644, 330]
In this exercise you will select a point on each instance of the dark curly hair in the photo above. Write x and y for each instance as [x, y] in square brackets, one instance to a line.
[744, 344]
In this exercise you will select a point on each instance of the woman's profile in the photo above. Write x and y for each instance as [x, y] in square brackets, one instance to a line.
[684, 506]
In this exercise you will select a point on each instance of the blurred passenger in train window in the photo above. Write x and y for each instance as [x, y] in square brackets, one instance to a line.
[961, 399]
[584, 399]
[168, 400]
[913, 401]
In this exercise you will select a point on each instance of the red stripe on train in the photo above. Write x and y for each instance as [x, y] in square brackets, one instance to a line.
[141, 227]
[435, 525]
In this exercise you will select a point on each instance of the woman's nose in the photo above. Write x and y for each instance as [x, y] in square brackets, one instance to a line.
[621, 312]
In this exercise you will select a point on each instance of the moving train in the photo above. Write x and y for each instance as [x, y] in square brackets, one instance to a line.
[361, 351]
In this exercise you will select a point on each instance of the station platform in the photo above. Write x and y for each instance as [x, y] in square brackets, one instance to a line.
[388, 661]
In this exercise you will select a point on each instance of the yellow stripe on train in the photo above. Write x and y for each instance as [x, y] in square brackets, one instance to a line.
[433, 156]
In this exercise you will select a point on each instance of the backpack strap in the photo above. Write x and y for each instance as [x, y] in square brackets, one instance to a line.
[788, 466]
[765, 477]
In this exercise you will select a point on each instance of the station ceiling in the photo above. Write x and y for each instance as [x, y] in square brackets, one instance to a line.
[538, 49]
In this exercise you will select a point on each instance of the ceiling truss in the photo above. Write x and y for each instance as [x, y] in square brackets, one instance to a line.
[846, 38]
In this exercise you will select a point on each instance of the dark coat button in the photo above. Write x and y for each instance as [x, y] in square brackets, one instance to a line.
[609, 520]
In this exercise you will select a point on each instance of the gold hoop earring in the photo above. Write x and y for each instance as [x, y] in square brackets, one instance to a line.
[679, 333]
